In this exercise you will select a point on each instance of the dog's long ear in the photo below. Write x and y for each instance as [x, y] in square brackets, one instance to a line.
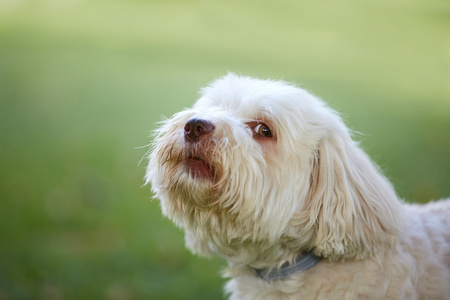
[352, 207]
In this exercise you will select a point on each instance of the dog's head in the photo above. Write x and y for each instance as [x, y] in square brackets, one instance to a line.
[259, 171]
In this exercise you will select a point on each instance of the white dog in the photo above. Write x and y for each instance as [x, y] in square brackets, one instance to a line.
[267, 176]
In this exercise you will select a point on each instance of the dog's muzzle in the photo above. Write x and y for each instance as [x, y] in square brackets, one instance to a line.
[196, 135]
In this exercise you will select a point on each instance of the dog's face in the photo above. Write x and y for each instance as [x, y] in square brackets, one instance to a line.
[251, 171]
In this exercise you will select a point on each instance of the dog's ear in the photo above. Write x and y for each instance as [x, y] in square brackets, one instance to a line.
[352, 207]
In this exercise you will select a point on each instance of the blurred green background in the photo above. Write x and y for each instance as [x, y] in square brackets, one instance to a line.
[82, 84]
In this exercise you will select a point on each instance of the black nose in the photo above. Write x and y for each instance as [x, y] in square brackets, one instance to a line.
[196, 129]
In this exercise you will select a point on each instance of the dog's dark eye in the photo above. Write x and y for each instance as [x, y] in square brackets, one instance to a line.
[263, 130]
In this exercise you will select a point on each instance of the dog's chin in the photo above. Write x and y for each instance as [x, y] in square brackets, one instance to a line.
[192, 181]
[198, 168]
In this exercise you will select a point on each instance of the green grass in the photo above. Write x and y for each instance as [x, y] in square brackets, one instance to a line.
[82, 84]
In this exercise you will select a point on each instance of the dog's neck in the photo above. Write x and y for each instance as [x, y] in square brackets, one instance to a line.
[302, 263]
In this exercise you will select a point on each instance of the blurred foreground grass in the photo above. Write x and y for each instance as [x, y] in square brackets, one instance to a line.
[82, 84]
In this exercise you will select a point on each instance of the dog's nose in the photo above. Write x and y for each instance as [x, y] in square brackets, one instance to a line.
[197, 128]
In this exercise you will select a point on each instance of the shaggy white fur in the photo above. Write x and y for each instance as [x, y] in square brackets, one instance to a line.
[259, 171]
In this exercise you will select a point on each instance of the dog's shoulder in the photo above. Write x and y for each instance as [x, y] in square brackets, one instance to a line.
[441, 207]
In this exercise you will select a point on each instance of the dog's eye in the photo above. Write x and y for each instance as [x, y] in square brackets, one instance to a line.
[262, 130]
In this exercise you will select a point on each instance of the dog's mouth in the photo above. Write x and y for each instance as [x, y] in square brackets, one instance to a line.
[198, 167]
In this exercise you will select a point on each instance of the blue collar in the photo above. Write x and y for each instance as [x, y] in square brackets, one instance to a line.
[302, 263]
